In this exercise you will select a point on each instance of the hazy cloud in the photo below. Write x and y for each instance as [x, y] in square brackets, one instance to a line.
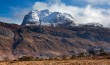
[6, 19]
[97, 2]
[19, 13]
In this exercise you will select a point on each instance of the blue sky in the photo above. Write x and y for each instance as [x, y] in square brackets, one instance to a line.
[12, 11]
[6, 5]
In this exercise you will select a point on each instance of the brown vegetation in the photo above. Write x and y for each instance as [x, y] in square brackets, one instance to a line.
[61, 62]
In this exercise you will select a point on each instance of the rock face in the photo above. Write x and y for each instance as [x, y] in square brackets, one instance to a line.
[45, 41]
[45, 17]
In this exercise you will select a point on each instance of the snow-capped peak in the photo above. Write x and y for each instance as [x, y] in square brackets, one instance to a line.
[44, 13]
[45, 17]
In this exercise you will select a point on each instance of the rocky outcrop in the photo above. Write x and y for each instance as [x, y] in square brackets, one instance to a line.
[6, 32]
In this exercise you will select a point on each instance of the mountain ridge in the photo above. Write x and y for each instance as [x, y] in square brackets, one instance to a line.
[47, 41]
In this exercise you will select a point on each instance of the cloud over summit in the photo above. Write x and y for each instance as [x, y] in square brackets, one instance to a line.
[82, 15]
[84, 11]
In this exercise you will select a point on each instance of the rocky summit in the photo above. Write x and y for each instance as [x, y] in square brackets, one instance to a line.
[45, 17]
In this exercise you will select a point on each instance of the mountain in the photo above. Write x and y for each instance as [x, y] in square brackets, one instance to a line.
[45, 17]
[45, 41]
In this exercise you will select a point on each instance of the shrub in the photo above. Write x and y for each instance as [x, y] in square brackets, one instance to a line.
[103, 53]
[64, 57]
[27, 58]
[73, 57]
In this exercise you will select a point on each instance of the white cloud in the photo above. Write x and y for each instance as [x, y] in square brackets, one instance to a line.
[40, 6]
[86, 14]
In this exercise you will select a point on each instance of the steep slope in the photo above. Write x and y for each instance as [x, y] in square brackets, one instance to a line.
[46, 41]
[6, 42]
